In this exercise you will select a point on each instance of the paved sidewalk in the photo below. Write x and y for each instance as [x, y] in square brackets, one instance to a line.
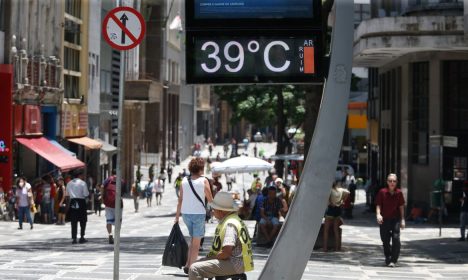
[47, 253]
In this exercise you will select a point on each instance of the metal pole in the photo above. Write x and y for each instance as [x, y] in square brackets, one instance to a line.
[118, 193]
[441, 164]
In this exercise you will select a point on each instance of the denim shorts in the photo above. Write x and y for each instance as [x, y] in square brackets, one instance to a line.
[195, 224]
[274, 221]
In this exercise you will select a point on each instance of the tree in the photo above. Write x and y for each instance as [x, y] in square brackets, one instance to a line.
[262, 106]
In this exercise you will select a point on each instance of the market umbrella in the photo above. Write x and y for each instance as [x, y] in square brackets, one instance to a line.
[242, 164]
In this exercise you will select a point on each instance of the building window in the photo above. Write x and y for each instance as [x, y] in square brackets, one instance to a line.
[72, 32]
[73, 8]
[455, 79]
[2, 15]
[420, 113]
[71, 86]
[71, 59]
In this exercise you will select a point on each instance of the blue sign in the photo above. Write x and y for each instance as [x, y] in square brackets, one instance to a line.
[253, 9]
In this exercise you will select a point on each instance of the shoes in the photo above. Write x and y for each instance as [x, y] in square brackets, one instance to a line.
[83, 240]
[111, 239]
[461, 239]
[391, 264]
[186, 270]
[32, 226]
[74, 241]
[20, 227]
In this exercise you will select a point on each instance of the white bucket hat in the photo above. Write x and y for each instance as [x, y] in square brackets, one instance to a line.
[223, 201]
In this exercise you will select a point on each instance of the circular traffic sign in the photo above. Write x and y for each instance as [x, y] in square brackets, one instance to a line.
[123, 28]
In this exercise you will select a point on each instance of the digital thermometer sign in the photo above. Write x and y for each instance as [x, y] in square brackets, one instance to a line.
[253, 59]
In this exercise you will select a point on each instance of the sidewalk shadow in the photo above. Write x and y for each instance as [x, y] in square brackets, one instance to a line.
[131, 245]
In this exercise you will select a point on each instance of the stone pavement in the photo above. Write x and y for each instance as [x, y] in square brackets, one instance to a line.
[47, 253]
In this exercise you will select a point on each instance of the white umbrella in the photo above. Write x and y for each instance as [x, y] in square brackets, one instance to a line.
[242, 164]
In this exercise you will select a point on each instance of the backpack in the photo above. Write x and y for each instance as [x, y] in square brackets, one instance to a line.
[149, 190]
[109, 193]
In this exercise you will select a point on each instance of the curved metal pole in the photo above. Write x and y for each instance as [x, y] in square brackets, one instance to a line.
[296, 240]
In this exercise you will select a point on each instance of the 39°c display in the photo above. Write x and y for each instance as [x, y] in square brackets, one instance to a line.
[266, 59]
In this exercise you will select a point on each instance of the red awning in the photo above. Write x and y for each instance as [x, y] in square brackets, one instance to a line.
[52, 153]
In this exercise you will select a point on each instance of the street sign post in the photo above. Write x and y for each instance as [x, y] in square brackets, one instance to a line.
[123, 29]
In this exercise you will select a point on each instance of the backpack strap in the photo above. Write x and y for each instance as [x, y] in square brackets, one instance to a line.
[189, 179]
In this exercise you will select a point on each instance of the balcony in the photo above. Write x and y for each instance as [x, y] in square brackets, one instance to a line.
[143, 90]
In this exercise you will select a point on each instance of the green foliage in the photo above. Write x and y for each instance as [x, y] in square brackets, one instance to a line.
[259, 104]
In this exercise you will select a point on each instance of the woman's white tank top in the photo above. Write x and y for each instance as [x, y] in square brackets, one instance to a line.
[190, 203]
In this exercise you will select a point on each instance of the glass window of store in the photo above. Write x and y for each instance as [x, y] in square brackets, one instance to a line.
[420, 113]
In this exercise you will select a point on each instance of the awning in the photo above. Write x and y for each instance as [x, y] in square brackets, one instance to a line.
[106, 147]
[87, 142]
[62, 148]
[52, 153]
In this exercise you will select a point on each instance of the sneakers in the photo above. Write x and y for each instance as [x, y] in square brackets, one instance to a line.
[74, 241]
[83, 240]
[20, 227]
[461, 239]
[32, 226]
[111, 239]
[391, 264]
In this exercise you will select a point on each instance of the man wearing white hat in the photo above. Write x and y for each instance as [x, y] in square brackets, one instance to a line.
[231, 252]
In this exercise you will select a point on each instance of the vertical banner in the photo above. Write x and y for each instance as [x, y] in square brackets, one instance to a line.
[6, 126]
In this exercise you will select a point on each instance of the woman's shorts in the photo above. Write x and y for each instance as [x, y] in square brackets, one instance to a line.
[195, 224]
[333, 212]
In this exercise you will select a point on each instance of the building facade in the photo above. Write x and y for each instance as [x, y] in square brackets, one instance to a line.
[417, 54]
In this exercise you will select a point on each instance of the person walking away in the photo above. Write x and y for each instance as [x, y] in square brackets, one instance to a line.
[333, 215]
[178, 184]
[163, 176]
[464, 211]
[191, 204]
[229, 182]
[46, 208]
[169, 173]
[77, 191]
[135, 192]
[231, 252]
[149, 193]
[61, 201]
[97, 199]
[389, 210]
[23, 201]
[158, 188]
[108, 196]
[350, 184]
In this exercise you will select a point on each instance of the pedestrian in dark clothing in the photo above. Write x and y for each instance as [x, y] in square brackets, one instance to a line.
[464, 212]
[169, 173]
[390, 205]
[77, 190]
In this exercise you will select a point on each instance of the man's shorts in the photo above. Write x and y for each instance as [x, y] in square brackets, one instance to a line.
[273, 220]
[195, 224]
[110, 216]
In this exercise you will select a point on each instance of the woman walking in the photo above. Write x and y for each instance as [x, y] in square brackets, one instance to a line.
[191, 204]
[23, 201]
[61, 201]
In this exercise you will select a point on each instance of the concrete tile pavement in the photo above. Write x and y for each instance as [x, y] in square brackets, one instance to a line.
[47, 253]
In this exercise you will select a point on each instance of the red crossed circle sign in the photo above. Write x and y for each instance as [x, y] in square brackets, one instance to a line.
[123, 28]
